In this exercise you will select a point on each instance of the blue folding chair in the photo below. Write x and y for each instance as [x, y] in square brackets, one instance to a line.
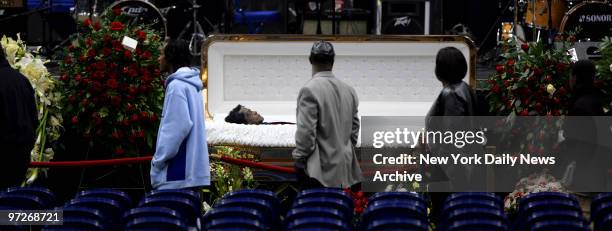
[308, 212]
[183, 206]
[541, 196]
[145, 212]
[476, 224]
[266, 195]
[191, 195]
[70, 223]
[471, 213]
[78, 212]
[272, 217]
[156, 223]
[402, 196]
[242, 212]
[385, 224]
[45, 194]
[318, 223]
[548, 205]
[453, 205]
[474, 196]
[394, 209]
[234, 223]
[119, 196]
[552, 215]
[559, 225]
[110, 209]
[324, 202]
[327, 193]
[23, 201]
[254, 19]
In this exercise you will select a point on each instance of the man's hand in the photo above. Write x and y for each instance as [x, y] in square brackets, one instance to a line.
[300, 169]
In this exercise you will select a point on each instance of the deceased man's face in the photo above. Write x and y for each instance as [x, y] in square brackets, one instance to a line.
[251, 117]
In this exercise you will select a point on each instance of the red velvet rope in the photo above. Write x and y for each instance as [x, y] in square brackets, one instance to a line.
[135, 160]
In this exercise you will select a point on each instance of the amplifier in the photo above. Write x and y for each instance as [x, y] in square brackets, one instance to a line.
[12, 4]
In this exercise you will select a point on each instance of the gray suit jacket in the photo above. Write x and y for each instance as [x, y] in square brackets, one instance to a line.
[327, 131]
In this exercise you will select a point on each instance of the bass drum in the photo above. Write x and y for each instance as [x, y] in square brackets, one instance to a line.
[537, 13]
[593, 18]
[143, 13]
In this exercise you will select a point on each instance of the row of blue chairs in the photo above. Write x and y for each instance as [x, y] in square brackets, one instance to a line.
[322, 209]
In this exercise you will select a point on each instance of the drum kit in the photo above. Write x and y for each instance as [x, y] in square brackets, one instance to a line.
[589, 20]
[147, 13]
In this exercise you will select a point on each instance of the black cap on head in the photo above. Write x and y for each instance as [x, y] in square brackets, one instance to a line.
[322, 52]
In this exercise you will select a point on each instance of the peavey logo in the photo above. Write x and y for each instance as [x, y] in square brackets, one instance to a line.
[596, 18]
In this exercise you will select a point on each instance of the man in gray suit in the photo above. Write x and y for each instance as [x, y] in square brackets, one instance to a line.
[327, 126]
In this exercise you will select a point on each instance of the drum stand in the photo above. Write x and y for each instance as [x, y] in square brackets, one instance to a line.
[198, 36]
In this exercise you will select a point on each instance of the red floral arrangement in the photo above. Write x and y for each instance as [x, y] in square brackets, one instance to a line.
[531, 80]
[113, 95]
[360, 201]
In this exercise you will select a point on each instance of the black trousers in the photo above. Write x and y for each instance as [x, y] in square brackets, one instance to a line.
[13, 167]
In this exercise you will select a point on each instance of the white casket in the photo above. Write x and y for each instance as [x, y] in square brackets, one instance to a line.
[392, 75]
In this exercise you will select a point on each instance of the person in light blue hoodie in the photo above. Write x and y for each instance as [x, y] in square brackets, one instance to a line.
[181, 154]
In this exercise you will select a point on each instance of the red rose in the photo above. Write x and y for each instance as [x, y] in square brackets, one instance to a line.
[117, 11]
[85, 81]
[127, 54]
[129, 108]
[116, 135]
[140, 134]
[144, 115]
[77, 78]
[153, 117]
[556, 113]
[537, 71]
[112, 83]
[68, 60]
[524, 112]
[142, 35]
[88, 42]
[499, 68]
[557, 101]
[91, 53]
[87, 22]
[134, 118]
[119, 151]
[525, 47]
[146, 55]
[75, 120]
[97, 26]
[572, 39]
[106, 51]
[97, 86]
[132, 91]
[495, 88]
[63, 77]
[510, 62]
[506, 83]
[531, 78]
[116, 26]
[71, 47]
[548, 78]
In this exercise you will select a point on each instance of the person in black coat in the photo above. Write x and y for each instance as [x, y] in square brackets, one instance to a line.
[581, 147]
[18, 123]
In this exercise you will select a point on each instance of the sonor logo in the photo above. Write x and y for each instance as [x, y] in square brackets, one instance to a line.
[596, 18]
